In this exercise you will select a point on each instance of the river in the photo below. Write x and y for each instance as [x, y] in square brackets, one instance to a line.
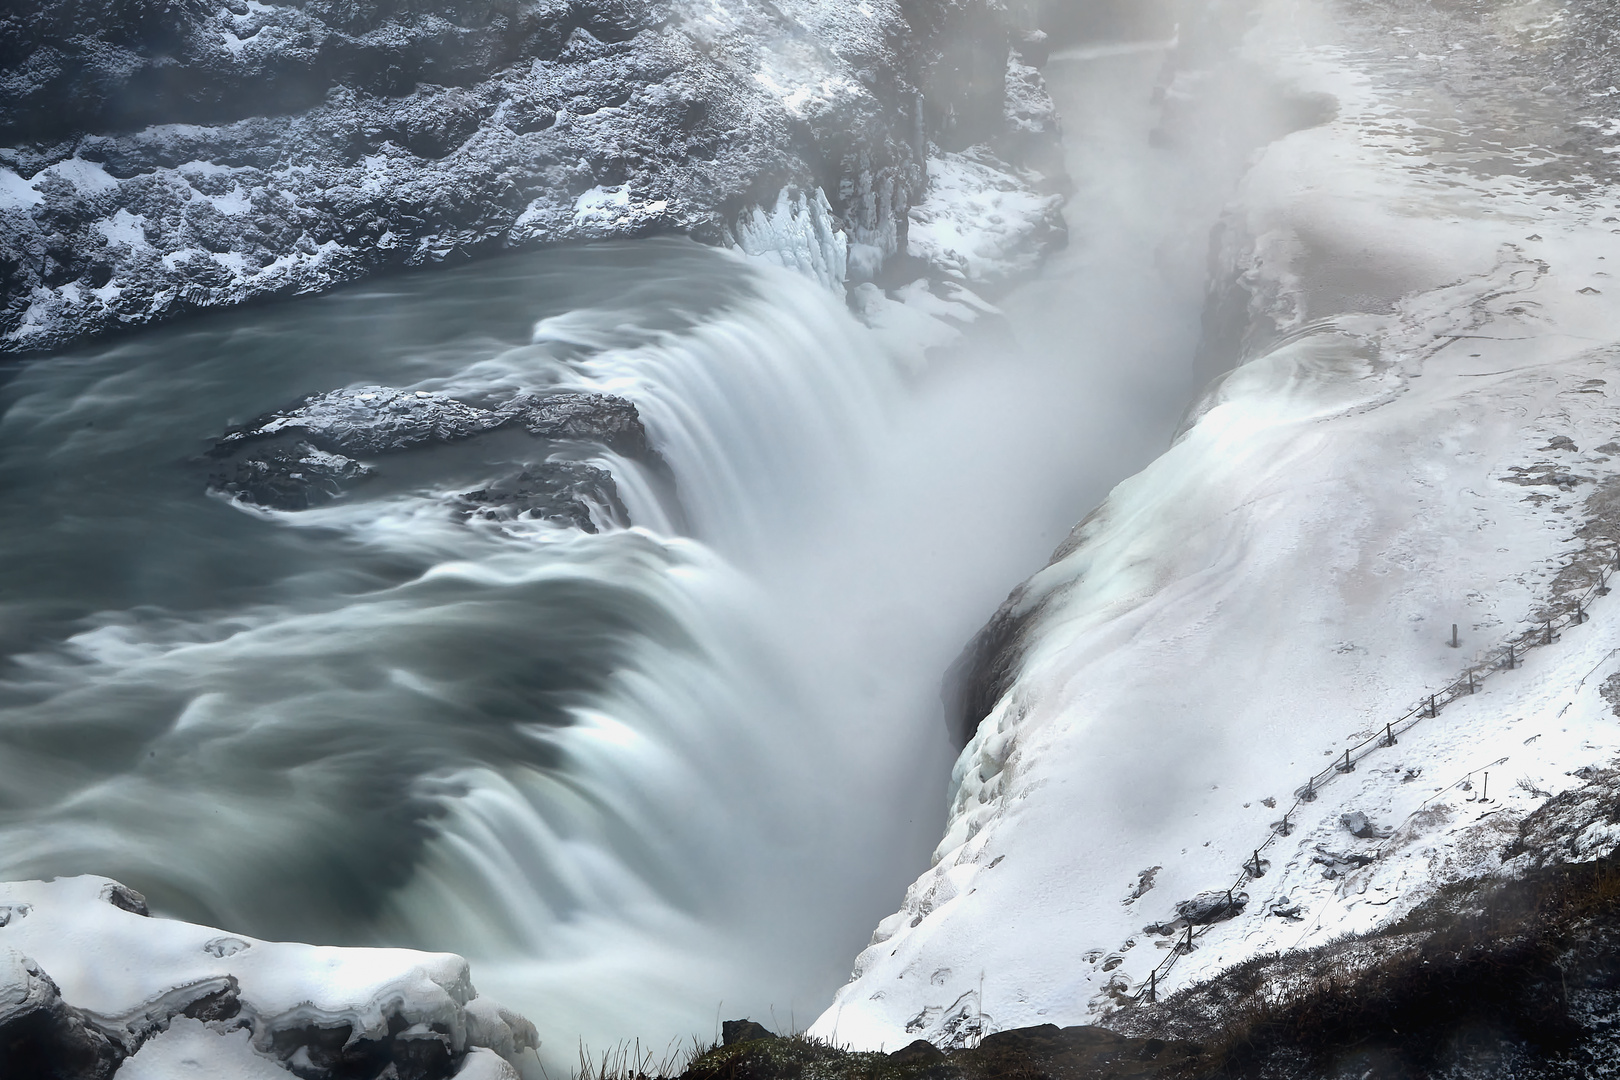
[647, 778]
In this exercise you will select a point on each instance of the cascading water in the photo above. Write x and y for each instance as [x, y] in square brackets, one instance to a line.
[636, 776]
[371, 721]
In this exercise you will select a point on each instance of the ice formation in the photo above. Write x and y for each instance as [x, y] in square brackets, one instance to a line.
[799, 233]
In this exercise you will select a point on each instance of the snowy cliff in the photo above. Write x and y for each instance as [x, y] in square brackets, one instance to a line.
[163, 158]
[1207, 729]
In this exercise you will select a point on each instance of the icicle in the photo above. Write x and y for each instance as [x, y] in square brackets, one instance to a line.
[801, 234]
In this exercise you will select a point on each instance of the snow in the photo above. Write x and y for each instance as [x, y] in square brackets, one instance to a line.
[238, 200]
[1425, 434]
[607, 206]
[131, 975]
[191, 1048]
[17, 193]
[124, 228]
[805, 98]
[485, 1064]
[82, 174]
[977, 221]
[233, 44]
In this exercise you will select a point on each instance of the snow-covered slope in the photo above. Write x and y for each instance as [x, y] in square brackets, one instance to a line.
[1424, 432]
[93, 986]
[157, 159]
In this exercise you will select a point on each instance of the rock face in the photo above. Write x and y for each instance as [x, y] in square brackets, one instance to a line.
[312, 453]
[40, 1035]
[164, 157]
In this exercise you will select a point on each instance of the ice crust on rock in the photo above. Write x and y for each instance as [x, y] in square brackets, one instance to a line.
[210, 155]
[1420, 431]
[175, 999]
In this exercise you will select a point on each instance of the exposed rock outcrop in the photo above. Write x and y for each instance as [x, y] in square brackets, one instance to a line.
[314, 452]
[168, 157]
[40, 1035]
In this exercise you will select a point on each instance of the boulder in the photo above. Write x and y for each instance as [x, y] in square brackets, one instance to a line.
[741, 1031]
[309, 454]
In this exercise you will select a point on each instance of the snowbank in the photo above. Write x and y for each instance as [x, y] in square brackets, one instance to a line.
[1424, 434]
[171, 999]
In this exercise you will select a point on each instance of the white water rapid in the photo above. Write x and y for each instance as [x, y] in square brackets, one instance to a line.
[644, 778]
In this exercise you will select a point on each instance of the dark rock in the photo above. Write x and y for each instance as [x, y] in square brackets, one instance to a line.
[920, 1052]
[222, 1004]
[421, 1053]
[561, 491]
[408, 1052]
[126, 899]
[291, 477]
[741, 1031]
[370, 420]
[300, 457]
[1360, 825]
[591, 418]
[1335, 863]
[41, 1037]
[1573, 826]
[1202, 910]
[1212, 907]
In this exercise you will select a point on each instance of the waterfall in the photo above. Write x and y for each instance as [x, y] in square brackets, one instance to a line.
[671, 770]
[591, 763]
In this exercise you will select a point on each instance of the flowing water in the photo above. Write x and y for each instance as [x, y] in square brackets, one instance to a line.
[643, 778]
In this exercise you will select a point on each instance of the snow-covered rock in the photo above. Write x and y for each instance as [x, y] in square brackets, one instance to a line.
[1424, 432]
[93, 986]
[980, 223]
[319, 449]
[159, 159]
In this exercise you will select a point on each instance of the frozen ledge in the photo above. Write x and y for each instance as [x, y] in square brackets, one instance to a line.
[92, 986]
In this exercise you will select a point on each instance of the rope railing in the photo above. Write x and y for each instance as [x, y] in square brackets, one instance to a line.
[1504, 657]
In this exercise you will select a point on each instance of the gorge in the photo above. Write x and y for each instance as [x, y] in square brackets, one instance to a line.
[508, 483]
